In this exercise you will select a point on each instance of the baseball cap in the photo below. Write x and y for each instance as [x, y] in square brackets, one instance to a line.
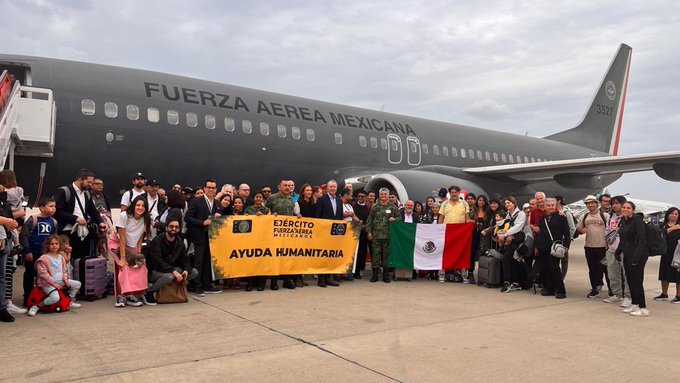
[153, 183]
[187, 190]
[442, 192]
[590, 198]
[139, 175]
[526, 206]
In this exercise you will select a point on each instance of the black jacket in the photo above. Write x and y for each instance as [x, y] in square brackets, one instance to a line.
[307, 209]
[416, 217]
[164, 255]
[559, 227]
[197, 212]
[324, 209]
[65, 207]
[633, 240]
[160, 204]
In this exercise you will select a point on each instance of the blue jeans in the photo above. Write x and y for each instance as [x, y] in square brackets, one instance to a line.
[3, 287]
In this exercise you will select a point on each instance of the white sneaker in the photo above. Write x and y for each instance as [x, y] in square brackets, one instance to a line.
[32, 311]
[120, 301]
[612, 299]
[13, 309]
[132, 300]
[75, 305]
[626, 302]
[630, 309]
[640, 313]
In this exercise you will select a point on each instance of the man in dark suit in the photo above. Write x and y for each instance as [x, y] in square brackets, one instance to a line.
[199, 216]
[75, 207]
[329, 207]
[407, 214]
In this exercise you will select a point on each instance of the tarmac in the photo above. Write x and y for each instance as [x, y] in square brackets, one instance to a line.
[419, 331]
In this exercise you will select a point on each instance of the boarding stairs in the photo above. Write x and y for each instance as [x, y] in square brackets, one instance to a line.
[27, 121]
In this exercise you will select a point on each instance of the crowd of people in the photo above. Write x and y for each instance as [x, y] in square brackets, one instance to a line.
[161, 237]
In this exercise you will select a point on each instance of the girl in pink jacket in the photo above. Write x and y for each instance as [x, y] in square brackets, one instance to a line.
[52, 271]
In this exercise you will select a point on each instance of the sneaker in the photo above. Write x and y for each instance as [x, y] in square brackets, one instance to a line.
[626, 302]
[661, 297]
[32, 311]
[441, 278]
[148, 299]
[75, 305]
[676, 299]
[612, 299]
[560, 296]
[471, 279]
[510, 288]
[640, 313]
[120, 301]
[593, 294]
[6, 317]
[630, 309]
[199, 293]
[133, 301]
[13, 309]
[212, 290]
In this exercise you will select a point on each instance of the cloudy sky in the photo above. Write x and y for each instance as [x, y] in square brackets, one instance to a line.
[520, 66]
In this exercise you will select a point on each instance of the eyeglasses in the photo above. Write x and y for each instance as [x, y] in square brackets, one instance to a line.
[209, 187]
[173, 226]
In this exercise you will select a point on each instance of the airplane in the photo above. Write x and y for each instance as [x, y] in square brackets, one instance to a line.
[118, 121]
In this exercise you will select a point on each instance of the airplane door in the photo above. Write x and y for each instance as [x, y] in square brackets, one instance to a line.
[394, 149]
[413, 147]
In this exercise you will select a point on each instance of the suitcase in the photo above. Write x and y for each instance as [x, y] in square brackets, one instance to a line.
[489, 271]
[403, 274]
[92, 277]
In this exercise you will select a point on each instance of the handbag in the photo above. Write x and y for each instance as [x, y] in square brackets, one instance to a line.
[557, 249]
[676, 257]
[173, 292]
[133, 279]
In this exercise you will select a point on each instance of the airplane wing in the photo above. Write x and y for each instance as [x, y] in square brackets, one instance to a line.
[666, 165]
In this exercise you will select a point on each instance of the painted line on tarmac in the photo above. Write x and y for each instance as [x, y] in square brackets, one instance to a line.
[303, 341]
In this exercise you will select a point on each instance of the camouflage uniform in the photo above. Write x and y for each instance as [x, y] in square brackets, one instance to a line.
[253, 210]
[281, 205]
[378, 225]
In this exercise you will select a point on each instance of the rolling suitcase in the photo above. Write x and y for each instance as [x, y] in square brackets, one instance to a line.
[403, 274]
[489, 271]
[92, 276]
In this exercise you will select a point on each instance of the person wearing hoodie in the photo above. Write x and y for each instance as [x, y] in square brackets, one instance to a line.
[633, 251]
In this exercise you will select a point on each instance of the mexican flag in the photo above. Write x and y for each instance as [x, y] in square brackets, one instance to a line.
[430, 246]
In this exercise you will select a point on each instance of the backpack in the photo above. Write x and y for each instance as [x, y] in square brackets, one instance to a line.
[656, 243]
[585, 215]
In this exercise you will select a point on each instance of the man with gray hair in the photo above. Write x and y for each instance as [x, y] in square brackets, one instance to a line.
[329, 207]
[378, 231]
[244, 193]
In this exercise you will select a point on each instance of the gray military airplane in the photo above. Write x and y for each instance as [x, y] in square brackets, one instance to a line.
[118, 121]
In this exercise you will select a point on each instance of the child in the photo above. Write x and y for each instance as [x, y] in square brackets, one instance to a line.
[502, 225]
[53, 275]
[36, 229]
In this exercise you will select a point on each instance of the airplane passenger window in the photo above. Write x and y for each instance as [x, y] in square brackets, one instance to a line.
[519, 159]
[395, 146]
[526, 159]
[425, 149]
[374, 142]
[487, 156]
[295, 132]
[533, 159]
[463, 153]
[479, 154]
[173, 117]
[87, 107]
[504, 158]
[413, 147]
[338, 138]
[247, 126]
[495, 157]
[454, 151]
[511, 159]
[192, 120]
[471, 154]
[210, 122]
[229, 125]
[362, 141]
[132, 112]
[153, 115]
[435, 150]
[383, 143]
[264, 128]
[281, 131]
[111, 109]
[310, 135]
[445, 151]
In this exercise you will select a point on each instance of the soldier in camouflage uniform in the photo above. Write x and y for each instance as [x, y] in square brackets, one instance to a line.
[257, 208]
[281, 203]
[378, 231]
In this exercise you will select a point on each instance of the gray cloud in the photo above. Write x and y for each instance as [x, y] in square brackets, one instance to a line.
[512, 66]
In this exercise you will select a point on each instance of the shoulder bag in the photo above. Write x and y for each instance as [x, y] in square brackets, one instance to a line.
[557, 249]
